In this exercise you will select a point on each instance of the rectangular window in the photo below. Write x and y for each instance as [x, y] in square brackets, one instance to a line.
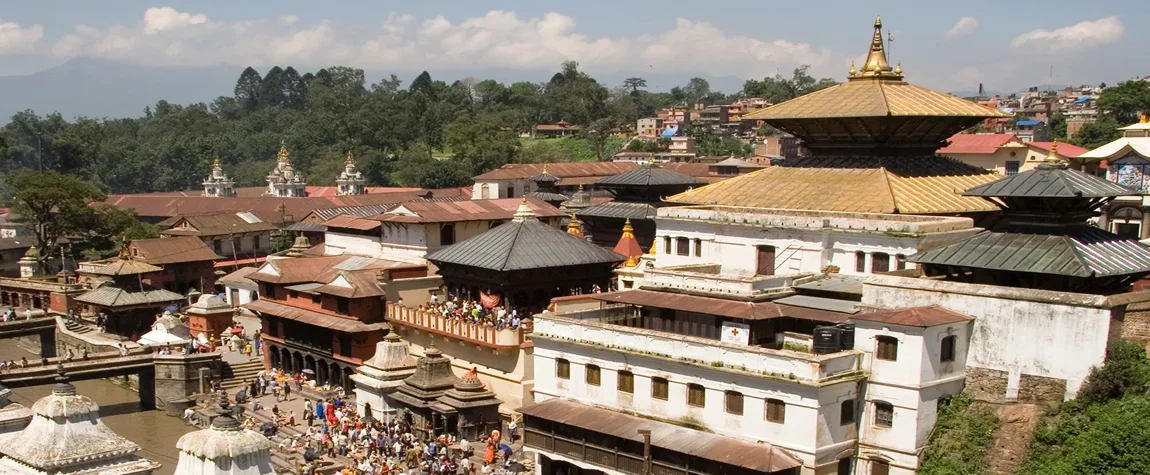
[946, 353]
[683, 246]
[562, 369]
[315, 299]
[293, 294]
[696, 395]
[883, 414]
[847, 412]
[899, 262]
[844, 467]
[342, 306]
[626, 382]
[593, 375]
[734, 403]
[879, 467]
[765, 260]
[860, 261]
[698, 247]
[1012, 167]
[659, 388]
[1128, 230]
[776, 411]
[879, 262]
[887, 348]
[667, 244]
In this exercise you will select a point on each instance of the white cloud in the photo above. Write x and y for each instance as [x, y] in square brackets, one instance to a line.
[1071, 38]
[497, 39]
[168, 18]
[14, 37]
[965, 26]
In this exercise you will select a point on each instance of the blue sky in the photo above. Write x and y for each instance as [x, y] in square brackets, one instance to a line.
[946, 45]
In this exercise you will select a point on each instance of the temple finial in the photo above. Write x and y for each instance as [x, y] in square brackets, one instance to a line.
[876, 65]
[283, 156]
[216, 162]
[350, 160]
[852, 71]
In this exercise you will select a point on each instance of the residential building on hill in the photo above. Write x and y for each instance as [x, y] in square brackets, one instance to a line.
[558, 129]
[1004, 153]
[515, 179]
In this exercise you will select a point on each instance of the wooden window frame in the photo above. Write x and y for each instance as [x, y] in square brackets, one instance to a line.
[656, 384]
[625, 382]
[562, 369]
[883, 414]
[886, 348]
[775, 411]
[682, 246]
[593, 375]
[733, 402]
[696, 395]
[947, 348]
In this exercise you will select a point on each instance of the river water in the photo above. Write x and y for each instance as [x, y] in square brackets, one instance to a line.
[155, 432]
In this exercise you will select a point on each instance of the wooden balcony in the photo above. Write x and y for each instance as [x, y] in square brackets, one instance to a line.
[480, 335]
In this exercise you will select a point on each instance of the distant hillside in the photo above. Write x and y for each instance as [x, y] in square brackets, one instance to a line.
[103, 88]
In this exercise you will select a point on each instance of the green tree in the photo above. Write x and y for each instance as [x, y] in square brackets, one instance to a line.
[695, 90]
[272, 93]
[54, 206]
[1096, 134]
[1057, 125]
[634, 85]
[1125, 101]
[247, 90]
[485, 141]
[597, 134]
[778, 88]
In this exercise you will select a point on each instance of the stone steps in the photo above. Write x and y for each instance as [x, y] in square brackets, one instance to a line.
[77, 328]
[242, 373]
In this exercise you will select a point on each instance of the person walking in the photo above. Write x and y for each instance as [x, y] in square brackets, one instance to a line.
[287, 391]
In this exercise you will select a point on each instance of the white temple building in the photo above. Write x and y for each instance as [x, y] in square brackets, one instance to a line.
[284, 181]
[351, 181]
[66, 436]
[167, 330]
[14, 417]
[218, 184]
[224, 449]
[381, 375]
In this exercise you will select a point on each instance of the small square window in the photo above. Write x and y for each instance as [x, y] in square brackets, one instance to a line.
[887, 348]
[776, 411]
[883, 414]
[847, 412]
[626, 382]
[734, 403]
[660, 388]
[562, 369]
[593, 375]
[860, 261]
[682, 246]
[946, 352]
[696, 395]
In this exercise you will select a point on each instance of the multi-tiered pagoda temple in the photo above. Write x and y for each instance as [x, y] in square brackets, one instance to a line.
[872, 141]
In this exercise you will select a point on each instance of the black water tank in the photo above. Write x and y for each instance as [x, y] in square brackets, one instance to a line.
[827, 340]
[847, 335]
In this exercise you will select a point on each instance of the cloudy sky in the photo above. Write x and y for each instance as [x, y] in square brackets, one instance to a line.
[946, 45]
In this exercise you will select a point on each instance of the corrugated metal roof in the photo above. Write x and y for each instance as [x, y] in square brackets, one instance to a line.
[303, 227]
[621, 209]
[125, 267]
[113, 297]
[820, 303]
[873, 99]
[468, 210]
[549, 197]
[304, 287]
[835, 283]
[716, 306]
[977, 143]
[649, 175]
[926, 185]
[173, 250]
[527, 244]
[1079, 251]
[352, 222]
[239, 279]
[1051, 180]
[357, 211]
[760, 457]
[309, 317]
[916, 317]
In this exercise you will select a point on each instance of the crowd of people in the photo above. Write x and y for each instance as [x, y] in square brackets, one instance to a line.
[474, 312]
[333, 428]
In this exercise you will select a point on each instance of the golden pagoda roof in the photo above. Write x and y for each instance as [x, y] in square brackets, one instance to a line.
[927, 185]
[876, 90]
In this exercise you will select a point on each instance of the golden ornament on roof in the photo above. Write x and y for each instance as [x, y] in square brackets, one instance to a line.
[216, 163]
[283, 156]
[350, 160]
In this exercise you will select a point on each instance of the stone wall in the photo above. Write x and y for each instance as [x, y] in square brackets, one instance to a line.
[1136, 325]
[1034, 389]
[988, 385]
[177, 377]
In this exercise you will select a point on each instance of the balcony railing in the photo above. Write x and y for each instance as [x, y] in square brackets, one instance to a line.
[483, 335]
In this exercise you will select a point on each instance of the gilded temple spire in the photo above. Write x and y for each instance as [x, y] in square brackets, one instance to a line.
[283, 156]
[876, 64]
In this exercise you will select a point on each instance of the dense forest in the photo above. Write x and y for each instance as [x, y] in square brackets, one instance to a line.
[429, 134]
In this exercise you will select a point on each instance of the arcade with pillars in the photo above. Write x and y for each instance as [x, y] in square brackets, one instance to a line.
[329, 354]
[326, 371]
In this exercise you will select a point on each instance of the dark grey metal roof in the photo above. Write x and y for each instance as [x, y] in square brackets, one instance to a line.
[357, 211]
[838, 284]
[1079, 251]
[545, 178]
[1051, 180]
[650, 175]
[621, 209]
[523, 244]
[306, 227]
[549, 197]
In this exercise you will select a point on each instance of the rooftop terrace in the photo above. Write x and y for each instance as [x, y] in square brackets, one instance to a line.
[816, 220]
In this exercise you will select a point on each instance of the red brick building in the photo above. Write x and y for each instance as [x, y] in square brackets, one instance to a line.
[325, 314]
[187, 263]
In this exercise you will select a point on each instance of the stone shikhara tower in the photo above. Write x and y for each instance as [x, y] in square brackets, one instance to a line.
[284, 181]
[218, 184]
